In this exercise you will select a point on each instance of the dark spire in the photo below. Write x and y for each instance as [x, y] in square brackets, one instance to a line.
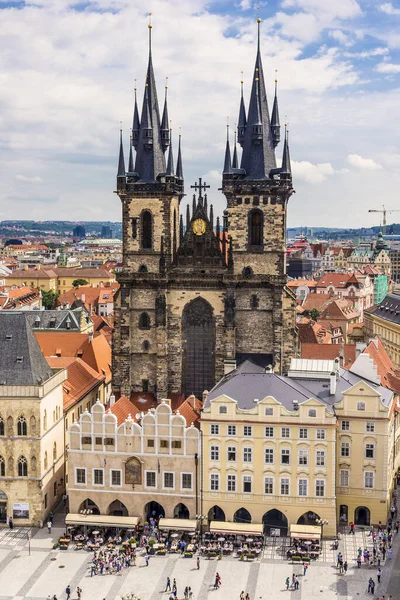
[205, 203]
[286, 166]
[179, 170]
[121, 159]
[258, 157]
[218, 230]
[170, 165]
[130, 164]
[180, 229]
[150, 161]
[227, 162]
[242, 118]
[211, 216]
[275, 124]
[235, 162]
[193, 205]
[162, 257]
[187, 217]
[136, 123]
[165, 133]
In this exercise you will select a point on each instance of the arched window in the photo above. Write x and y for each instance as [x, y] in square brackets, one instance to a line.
[147, 233]
[21, 426]
[256, 222]
[55, 451]
[45, 420]
[22, 467]
[142, 269]
[146, 346]
[1, 426]
[254, 301]
[45, 462]
[247, 271]
[144, 321]
[2, 467]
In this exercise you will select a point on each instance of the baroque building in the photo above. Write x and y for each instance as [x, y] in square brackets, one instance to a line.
[197, 295]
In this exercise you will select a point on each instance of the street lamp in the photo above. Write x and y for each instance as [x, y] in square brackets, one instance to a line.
[322, 522]
[199, 519]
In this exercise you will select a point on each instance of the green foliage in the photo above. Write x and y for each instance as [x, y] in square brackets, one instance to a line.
[77, 282]
[314, 314]
[49, 299]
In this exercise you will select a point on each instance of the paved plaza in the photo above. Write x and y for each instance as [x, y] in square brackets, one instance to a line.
[39, 571]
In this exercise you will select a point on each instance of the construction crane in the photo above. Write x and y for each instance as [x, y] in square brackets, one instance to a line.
[384, 211]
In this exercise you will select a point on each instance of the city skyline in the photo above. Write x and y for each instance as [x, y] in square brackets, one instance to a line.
[69, 75]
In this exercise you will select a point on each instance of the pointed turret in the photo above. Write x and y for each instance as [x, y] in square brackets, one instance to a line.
[165, 133]
[136, 123]
[211, 216]
[179, 169]
[235, 162]
[187, 217]
[242, 118]
[180, 229]
[130, 164]
[286, 166]
[275, 124]
[258, 158]
[227, 163]
[121, 159]
[170, 165]
[150, 161]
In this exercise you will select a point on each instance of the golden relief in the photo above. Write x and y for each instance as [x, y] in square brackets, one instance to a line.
[199, 226]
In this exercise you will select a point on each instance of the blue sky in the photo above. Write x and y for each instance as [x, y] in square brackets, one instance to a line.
[67, 76]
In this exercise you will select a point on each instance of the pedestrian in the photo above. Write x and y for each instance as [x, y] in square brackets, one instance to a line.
[68, 591]
[287, 581]
[51, 517]
[198, 562]
[241, 595]
[174, 588]
[10, 523]
[168, 586]
[147, 559]
[378, 574]
[216, 582]
[190, 593]
[390, 553]
[370, 582]
[296, 583]
[371, 531]
[345, 567]
[352, 526]
[64, 499]
[49, 524]
[79, 592]
[186, 593]
[247, 596]
[54, 597]
[305, 567]
[359, 562]
[397, 526]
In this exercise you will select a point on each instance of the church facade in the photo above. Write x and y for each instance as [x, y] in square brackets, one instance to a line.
[198, 294]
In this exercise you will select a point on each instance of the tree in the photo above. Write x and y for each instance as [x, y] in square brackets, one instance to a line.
[49, 299]
[314, 314]
[77, 282]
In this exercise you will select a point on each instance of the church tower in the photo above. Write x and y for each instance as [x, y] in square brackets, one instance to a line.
[199, 295]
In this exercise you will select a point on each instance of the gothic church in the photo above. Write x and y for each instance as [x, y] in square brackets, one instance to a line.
[199, 296]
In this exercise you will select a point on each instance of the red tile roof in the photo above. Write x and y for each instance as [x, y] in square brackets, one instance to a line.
[388, 372]
[80, 381]
[330, 352]
[337, 280]
[190, 409]
[123, 408]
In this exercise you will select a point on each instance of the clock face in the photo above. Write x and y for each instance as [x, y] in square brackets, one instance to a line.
[199, 226]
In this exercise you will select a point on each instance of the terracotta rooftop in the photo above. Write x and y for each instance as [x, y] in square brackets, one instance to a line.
[318, 301]
[388, 372]
[90, 296]
[190, 409]
[295, 283]
[38, 272]
[123, 408]
[330, 352]
[82, 273]
[337, 280]
[80, 381]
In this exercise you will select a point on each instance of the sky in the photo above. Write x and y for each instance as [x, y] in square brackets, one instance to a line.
[68, 70]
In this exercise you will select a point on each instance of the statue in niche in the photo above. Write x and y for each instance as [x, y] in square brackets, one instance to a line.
[161, 310]
[133, 471]
[230, 306]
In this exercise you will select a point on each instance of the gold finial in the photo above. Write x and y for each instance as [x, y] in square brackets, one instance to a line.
[146, 85]
[257, 69]
[241, 73]
[258, 18]
[180, 131]
[166, 83]
[134, 89]
[257, 79]
[150, 25]
[120, 125]
[276, 75]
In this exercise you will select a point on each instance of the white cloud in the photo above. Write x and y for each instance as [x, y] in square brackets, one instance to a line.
[355, 160]
[386, 67]
[341, 9]
[341, 37]
[311, 173]
[389, 9]
[245, 4]
[380, 51]
[33, 179]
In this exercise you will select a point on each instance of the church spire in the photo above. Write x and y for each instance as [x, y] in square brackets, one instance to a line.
[227, 162]
[165, 133]
[235, 162]
[258, 158]
[170, 165]
[121, 159]
[275, 124]
[136, 123]
[150, 161]
[242, 117]
[130, 164]
[179, 169]
[286, 166]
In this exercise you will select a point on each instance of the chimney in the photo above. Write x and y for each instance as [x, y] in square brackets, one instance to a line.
[83, 298]
[90, 337]
[112, 400]
[268, 369]
[332, 381]
[192, 399]
[229, 365]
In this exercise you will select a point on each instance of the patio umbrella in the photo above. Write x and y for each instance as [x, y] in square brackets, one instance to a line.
[174, 535]
[221, 539]
[249, 540]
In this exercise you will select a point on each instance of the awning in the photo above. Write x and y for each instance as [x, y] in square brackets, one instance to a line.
[102, 521]
[305, 532]
[236, 528]
[178, 524]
